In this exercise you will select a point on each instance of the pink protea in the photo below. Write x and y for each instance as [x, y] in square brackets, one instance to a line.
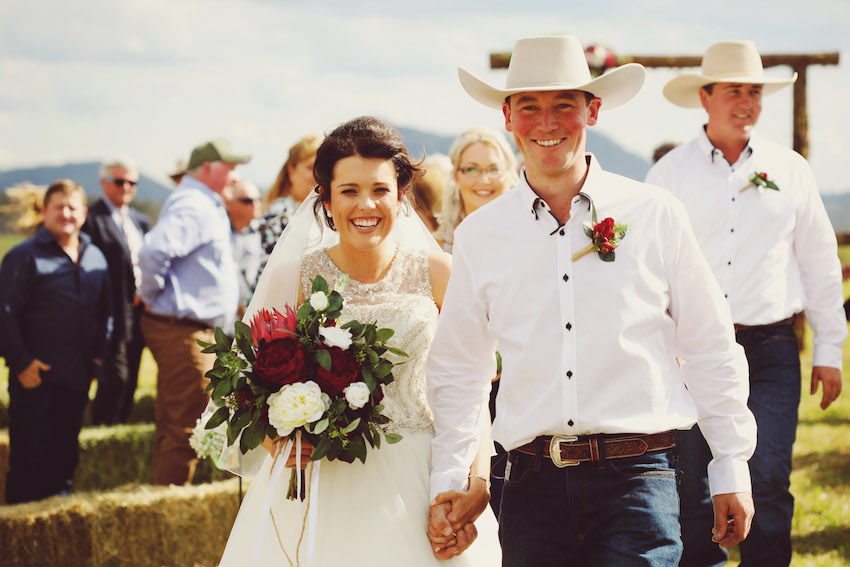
[269, 325]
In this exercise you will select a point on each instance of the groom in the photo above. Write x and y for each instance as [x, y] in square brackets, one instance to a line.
[591, 284]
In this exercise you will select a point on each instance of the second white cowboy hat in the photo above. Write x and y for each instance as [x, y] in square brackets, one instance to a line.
[556, 63]
[724, 62]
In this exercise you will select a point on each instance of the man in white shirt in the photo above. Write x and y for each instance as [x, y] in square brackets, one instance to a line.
[757, 215]
[588, 323]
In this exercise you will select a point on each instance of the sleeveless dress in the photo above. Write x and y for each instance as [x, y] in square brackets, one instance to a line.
[373, 513]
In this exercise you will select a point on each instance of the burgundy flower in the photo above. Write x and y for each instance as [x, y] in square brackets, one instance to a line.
[280, 361]
[344, 370]
[604, 230]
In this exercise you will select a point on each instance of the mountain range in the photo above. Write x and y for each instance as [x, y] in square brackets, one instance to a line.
[612, 157]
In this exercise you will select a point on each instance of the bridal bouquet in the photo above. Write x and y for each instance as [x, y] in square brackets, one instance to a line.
[300, 373]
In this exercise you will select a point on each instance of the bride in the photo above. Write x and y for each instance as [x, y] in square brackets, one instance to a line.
[372, 513]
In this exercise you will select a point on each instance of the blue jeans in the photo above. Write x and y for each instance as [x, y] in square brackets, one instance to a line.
[620, 512]
[774, 363]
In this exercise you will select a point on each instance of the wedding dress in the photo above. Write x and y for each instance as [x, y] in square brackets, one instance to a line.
[373, 513]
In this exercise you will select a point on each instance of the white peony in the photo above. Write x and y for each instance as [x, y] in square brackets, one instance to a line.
[296, 405]
[336, 337]
[356, 394]
[319, 301]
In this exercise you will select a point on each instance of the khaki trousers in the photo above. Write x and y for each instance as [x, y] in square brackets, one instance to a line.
[180, 396]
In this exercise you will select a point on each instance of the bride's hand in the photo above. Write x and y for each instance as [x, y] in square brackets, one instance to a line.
[446, 543]
[275, 445]
[465, 506]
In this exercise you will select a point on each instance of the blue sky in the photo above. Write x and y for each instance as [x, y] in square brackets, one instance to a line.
[150, 79]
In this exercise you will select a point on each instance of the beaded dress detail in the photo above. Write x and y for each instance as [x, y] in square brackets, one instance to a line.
[401, 301]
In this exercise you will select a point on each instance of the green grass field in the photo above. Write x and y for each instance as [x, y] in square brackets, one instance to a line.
[821, 477]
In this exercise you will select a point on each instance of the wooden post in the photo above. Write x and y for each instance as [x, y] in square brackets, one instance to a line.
[797, 62]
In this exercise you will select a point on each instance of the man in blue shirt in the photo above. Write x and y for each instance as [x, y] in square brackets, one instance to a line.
[54, 292]
[189, 286]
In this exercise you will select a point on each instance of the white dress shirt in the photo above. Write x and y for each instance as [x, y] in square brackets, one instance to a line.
[774, 253]
[587, 346]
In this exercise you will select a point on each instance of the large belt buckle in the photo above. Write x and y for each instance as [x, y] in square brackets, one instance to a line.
[555, 450]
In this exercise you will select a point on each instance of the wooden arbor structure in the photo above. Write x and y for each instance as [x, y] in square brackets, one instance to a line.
[797, 62]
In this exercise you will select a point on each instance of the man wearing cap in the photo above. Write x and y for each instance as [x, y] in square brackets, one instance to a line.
[189, 287]
[591, 284]
[757, 215]
[118, 230]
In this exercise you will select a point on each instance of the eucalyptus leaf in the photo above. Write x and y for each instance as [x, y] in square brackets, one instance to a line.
[241, 418]
[397, 351]
[352, 426]
[384, 334]
[321, 449]
[222, 389]
[217, 418]
[304, 311]
[319, 284]
[323, 358]
[220, 337]
[321, 426]
[252, 436]
[369, 378]
[393, 438]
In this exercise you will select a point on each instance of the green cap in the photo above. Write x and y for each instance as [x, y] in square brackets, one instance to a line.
[215, 150]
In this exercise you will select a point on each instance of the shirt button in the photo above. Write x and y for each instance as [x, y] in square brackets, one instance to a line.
[562, 232]
[569, 373]
[566, 278]
[731, 230]
[733, 199]
[729, 263]
[570, 423]
[726, 295]
[569, 326]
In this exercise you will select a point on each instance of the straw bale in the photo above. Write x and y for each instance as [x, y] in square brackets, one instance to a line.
[135, 526]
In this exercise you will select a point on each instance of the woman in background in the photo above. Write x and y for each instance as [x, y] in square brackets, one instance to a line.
[484, 167]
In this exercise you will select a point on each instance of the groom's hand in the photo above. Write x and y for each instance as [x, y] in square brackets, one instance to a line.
[466, 506]
[445, 542]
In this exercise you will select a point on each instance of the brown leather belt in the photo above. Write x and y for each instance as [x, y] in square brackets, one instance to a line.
[569, 450]
[788, 321]
[172, 320]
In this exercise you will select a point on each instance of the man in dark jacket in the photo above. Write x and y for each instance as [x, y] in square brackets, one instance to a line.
[118, 230]
[54, 320]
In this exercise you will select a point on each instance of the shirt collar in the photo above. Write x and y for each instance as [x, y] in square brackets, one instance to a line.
[713, 153]
[189, 182]
[539, 209]
[112, 206]
[43, 236]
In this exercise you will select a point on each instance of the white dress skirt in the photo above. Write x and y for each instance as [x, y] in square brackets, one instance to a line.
[373, 513]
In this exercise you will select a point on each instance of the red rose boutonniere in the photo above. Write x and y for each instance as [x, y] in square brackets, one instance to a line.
[760, 179]
[604, 237]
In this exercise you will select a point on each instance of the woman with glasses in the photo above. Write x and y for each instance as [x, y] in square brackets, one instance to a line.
[483, 168]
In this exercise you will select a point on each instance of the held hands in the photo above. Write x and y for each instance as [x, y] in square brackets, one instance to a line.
[733, 516]
[450, 524]
[273, 446]
[831, 380]
[30, 377]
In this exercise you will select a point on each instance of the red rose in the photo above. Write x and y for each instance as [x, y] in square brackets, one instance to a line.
[606, 246]
[604, 230]
[280, 361]
[344, 370]
[763, 176]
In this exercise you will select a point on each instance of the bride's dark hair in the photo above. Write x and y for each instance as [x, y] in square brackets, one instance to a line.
[367, 137]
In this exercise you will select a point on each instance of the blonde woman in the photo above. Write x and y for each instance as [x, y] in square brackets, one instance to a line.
[292, 185]
[484, 167]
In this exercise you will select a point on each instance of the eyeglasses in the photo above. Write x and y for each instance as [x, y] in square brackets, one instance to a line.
[474, 171]
[248, 200]
[122, 182]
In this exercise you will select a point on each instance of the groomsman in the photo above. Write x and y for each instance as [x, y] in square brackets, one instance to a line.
[118, 230]
[591, 284]
[758, 217]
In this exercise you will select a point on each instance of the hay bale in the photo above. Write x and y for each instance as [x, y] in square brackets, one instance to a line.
[136, 526]
[112, 456]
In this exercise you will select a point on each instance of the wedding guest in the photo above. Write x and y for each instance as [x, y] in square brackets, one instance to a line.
[762, 226]
[427, 192]
[588, 326]
[189, 287]
[118, 229]
[661, 150]
[179, 171]
[243, 208]
[54, 293]
[483, 168]
[293, 184]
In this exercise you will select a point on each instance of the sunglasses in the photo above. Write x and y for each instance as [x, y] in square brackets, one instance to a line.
[247, 200]
[122, 182]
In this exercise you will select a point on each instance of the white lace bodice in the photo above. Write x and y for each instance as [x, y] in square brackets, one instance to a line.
[401, 301]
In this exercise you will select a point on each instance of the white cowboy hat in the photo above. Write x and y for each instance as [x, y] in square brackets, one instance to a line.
[724, 62]
[556, 63]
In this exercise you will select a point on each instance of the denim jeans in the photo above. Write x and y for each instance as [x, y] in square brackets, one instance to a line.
[620, 512]
[774, 363]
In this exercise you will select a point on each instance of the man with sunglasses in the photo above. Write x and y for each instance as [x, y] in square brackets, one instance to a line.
[243, 208]
[118, 230]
